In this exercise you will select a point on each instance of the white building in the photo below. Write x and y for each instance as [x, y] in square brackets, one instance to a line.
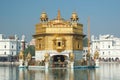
[32, 42]
[10, 46]
[108, 47]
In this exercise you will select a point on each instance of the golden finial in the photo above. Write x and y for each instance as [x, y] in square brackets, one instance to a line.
[96, 55]
[21, 55]
[29, 56]
[58, 16]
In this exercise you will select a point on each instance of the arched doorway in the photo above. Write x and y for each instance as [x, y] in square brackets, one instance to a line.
[58, 58]
[110, 59]
[116, 59]
[103, 59]
[59, 61]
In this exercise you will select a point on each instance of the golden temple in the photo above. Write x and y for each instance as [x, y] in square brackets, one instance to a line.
[59, 38]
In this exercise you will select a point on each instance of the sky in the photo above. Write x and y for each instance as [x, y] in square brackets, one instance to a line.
[20, 16]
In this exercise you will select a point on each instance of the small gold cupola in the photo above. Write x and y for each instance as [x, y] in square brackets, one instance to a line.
[74, 17]
[44, 17]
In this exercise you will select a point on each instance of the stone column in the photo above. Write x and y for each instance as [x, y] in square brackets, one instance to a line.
[46, 60]
[26, 63]
[71, 65]
[21, 61]
[46, 65]
[71, 55]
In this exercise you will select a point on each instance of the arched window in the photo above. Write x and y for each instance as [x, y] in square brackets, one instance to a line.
[4, 53]
[59, 43]
[5, 46]
[12, 53]
[12, 46]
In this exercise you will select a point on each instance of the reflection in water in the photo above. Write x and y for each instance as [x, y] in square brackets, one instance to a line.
[107, 71]
[8, 72]
[61, 74]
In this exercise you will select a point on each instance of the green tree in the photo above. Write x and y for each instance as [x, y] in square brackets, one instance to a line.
[31, 49]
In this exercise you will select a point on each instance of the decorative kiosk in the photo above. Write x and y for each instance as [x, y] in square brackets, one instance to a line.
[21, 59]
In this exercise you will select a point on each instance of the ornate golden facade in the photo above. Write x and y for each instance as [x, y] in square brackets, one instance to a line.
[58, 37]
[59, 34]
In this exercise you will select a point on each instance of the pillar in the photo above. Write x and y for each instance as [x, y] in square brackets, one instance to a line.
[21, 61]
[71, 65]
[46, 65]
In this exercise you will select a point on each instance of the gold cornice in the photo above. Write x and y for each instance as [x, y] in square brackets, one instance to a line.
[52, 34]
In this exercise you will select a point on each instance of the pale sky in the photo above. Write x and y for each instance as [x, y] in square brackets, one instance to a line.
[20, 16]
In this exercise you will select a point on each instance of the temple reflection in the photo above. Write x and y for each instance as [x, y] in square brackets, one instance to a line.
[107, 71]
[58, 74]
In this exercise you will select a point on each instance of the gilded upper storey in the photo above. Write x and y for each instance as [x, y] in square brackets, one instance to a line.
[59, 34]
[59, 25]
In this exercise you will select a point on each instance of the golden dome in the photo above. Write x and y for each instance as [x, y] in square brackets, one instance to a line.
[74, 16]
[44, 16]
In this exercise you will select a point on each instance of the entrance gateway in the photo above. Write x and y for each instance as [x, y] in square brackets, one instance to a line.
[59, 60]
[58, 41]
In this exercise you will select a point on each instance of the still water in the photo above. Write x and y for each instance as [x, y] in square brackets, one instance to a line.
[107, 71]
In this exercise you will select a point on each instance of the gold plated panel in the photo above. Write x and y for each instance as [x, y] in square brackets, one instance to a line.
[69, 35]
